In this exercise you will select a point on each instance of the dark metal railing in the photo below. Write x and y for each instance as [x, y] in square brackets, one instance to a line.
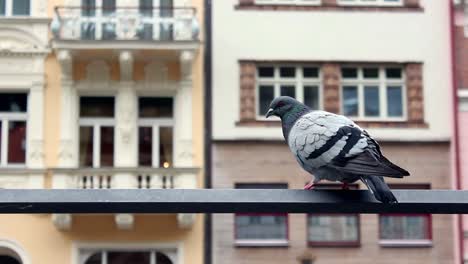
[125, 23]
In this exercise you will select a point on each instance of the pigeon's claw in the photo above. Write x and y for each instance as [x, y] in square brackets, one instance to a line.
[310, 186]
[345, 186]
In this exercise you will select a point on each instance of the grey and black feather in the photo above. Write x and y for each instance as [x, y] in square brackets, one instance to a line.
[333, 147]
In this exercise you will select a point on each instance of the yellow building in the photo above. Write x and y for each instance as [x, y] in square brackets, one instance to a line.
[101, 94]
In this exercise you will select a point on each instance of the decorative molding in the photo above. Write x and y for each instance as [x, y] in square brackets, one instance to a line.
[36, 151]
[65, 60]
[65, 154]
[126, 65]
[124, 221]
[185, 221]
[62, 221]
[15, 65]
[185, 154]
[186, 60]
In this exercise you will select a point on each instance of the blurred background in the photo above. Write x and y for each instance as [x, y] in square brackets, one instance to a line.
[163, 94]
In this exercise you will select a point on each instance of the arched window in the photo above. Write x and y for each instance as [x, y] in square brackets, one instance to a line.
[9, 260]
[9, 256]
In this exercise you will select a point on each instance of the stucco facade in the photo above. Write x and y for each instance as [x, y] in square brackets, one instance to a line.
[64, 69]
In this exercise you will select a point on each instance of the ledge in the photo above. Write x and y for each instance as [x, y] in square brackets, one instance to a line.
[24, 20]
[124, 45]
[261, 243]
[397, 243]
[228, 201]
[266, 7]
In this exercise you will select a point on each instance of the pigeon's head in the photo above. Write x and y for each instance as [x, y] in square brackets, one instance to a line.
[281, 105]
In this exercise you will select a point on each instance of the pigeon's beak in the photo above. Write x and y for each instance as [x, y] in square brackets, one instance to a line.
[269, 113]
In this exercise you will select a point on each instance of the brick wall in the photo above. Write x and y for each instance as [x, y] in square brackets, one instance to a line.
[254, 162]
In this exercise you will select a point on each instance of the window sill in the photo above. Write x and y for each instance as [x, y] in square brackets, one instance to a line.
[261, 243]
[335, 244]
[397, 243]
[364, 124]
[290, 7]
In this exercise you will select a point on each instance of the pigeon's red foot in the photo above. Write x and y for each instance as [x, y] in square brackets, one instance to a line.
[309, 186]
[345, 186]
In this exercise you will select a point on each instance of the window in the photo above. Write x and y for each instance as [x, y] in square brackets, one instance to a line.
[13, 116]
[96, 131]
[371, 2]
[155, 132]
[14, 7]
[301, 82]
[123, 256]
[105, 11]
[261, 229]
[333, 229]
[288, 2]
[403, 230]
[373, 92]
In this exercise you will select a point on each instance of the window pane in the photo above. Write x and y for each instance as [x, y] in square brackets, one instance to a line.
[13, 102]
[128, 257]
[404, 227]
[96, 106]
[16, 142]
[155, 107]
[94, 259]
[165, 147]
[146, 7]
[261, 227]
[88, 7]
[333, 228]
[288, 72]
[371, 72]
[394, 101]
[145, 146]
[107, 146]
[108, 7]
[2, 7]
[4, 259]
[86, 146]
[267, 72]
[349, 73]
[371, 101]
[265, 94]
[310, 72]
[288, 90]
[21, 7]
[393, 73]
[311, 97]
[350, 101]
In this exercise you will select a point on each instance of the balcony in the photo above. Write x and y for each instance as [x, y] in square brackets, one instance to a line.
[126, 28]
[124, 178]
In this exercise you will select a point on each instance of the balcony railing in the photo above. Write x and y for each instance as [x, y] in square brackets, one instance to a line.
[125, 23]
[130, 178]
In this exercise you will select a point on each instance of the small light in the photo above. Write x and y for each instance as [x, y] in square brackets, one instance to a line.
[166, 164]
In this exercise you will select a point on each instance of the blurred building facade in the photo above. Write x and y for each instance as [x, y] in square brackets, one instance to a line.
[460, 31]
[385, 64]
[101, 94]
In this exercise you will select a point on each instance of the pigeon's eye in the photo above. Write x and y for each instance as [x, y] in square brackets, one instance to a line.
[280, 104]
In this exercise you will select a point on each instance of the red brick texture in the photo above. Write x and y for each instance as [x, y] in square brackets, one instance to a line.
[247, 91]
[331, 96]
[461, 58]
[328, 5]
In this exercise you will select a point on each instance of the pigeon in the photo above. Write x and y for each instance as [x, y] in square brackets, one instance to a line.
[332, 147]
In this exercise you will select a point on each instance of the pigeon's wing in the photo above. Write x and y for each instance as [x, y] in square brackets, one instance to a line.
[319, 137]
[324, 139]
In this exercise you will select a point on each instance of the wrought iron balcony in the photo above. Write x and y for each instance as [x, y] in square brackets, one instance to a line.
[125, 24]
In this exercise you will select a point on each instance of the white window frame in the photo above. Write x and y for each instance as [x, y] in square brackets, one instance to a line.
[9, 9]
[298, 81]
[174, 249]
[5, 118]
[382, 82]
[289, 2]
[369, 3]
[156, 123]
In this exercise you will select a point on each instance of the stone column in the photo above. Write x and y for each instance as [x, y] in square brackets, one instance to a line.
[35, 155]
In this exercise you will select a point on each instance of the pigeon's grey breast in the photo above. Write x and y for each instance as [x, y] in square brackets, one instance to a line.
[319, 137]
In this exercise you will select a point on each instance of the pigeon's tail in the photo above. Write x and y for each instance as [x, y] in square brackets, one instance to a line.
[379, 189]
